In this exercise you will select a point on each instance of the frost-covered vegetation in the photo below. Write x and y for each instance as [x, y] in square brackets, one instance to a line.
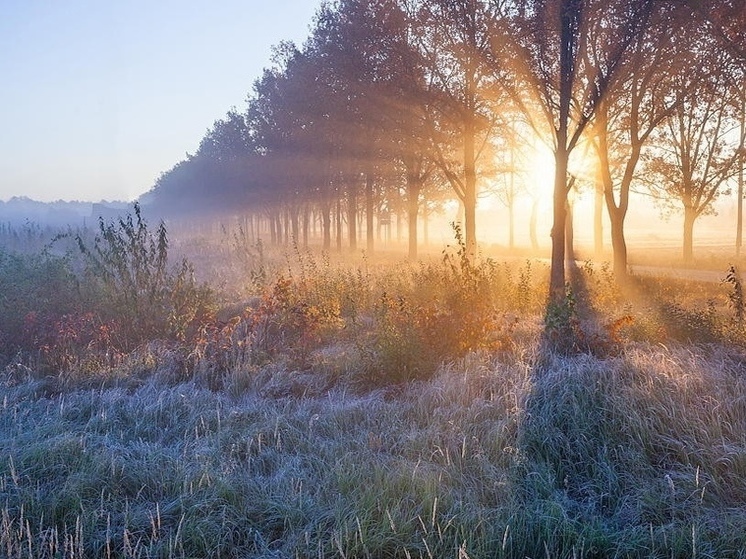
[293, 405]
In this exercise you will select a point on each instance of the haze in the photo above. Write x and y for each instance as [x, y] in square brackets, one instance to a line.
[99, 98]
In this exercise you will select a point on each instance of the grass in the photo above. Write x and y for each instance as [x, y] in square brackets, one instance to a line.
[640, 455]
[389, 410]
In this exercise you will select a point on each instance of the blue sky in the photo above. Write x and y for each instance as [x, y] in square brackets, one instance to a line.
[98, 97]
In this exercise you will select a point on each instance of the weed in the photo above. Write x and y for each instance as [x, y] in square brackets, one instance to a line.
[35, 290]
[735, 295]
[693, 325]
[128, 270]
[562, 325]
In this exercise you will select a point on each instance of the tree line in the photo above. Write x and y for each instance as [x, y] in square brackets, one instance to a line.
[392, 106]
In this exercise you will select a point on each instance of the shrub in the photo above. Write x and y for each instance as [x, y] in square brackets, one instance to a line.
[697, 325]
[77, 340]
[39, 285]
[289, 319]
[562, 330]
[130, 281]
[448, 309]
[735, 296]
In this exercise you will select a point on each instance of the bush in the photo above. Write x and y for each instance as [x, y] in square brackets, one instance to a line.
[450, 309]
[130, 282]
[735, 296]
[693, 325]
[42, 287]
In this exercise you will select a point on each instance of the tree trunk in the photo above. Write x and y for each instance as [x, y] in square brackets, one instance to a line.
[598, 213]
[425, 227]
[739, 210]
[280, 230]
[741, 162]
[557, 272]
[326, 225]
[306, 225]
[618, 245]
[413, 206]
[511, 225]
[295, 223]
[352, 212]
[470, 190]
[511, 192]
[532, 224]
[339, 225]
[688, 247]
[273, 230]
[369, 209]
[569, 234]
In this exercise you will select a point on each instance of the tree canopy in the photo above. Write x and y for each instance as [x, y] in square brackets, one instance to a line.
[391, 104]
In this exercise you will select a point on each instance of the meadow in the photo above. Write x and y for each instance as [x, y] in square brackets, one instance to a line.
[218, 398]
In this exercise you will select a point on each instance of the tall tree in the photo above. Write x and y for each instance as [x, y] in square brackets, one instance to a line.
[627, 117]
[741, 111]
[456, 42]
[697, 151]
[566, 56]
[359, 41]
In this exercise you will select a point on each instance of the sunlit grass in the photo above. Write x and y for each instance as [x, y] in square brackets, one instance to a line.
[378, 408]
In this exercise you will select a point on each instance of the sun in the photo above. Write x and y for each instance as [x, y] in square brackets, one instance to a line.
[540, 167]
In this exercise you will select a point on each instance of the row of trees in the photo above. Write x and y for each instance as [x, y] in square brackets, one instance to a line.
[411, 101]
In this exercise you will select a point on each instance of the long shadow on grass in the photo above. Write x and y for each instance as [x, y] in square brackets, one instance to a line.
[634, 453]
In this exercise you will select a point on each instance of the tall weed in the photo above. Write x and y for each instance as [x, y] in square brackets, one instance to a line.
[130, 282]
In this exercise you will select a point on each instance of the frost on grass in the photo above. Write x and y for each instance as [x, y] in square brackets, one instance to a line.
[623, 456]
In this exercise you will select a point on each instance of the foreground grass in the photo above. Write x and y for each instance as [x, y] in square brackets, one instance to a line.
[638, 455]
[375, 409]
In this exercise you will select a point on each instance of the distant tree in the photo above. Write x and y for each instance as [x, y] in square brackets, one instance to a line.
[287, 118]
[406, 104]
[513, 171]
[357, 42]
[455, 42]
[215, 178]
[697, 151]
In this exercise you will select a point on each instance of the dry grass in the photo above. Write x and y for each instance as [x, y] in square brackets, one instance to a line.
[347, 411]
[638, 455]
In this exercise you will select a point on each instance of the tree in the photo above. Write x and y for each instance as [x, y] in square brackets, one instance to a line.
[741, 110]
[726, 22]
[289, 115]
[628, 116]
[566, 55]
[406, 103]
[513, 172]
[697, 151]
[455, 42]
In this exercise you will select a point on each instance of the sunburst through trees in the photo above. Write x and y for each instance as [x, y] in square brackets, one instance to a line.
[392, 106]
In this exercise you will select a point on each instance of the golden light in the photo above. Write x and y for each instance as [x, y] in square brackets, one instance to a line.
[540, 167]
[540, 170]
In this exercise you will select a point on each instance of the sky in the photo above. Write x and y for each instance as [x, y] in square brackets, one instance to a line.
[99, 97]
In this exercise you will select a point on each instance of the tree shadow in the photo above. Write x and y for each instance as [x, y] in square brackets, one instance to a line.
[572, 326]
[620, 441]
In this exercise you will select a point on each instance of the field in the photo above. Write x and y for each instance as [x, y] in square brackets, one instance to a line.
[292, 404]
